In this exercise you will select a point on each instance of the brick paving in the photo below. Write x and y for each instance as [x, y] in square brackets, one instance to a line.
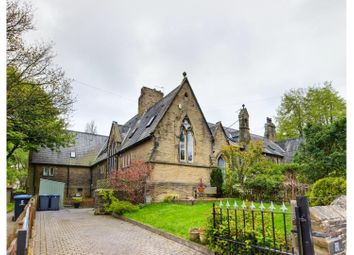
[79, 231]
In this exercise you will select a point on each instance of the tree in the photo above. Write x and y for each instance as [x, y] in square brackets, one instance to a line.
[39, 97]
[239, 162]
[131, 182]
[324, 152]
[17, 168]
[265, 180]
[91, 127]
[300, 107]
[291, 115]
[323, 105]
[216, 180]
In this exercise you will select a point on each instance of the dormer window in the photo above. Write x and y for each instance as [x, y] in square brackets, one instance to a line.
[72, 154]
[151, 121]
[131, 135]
[186, 142]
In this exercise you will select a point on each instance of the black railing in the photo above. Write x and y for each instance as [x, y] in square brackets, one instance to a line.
[251, 230]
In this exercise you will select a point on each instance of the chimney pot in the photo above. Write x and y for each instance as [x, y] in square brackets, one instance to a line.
[148, 98]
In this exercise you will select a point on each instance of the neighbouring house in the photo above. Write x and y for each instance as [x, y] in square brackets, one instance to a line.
[76, 165]
[170, 132]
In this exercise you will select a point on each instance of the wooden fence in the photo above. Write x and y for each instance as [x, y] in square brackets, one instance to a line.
[18, 239]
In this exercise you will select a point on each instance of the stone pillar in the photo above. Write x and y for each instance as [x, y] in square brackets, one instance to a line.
[328, 225]
[243, 119]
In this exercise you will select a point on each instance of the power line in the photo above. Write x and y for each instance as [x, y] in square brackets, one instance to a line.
[232, 124]
[103, 90]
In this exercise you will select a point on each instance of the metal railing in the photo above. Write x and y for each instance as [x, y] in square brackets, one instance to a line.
[251, 230]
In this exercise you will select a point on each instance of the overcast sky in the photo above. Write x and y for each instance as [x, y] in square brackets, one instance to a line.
[234, 52]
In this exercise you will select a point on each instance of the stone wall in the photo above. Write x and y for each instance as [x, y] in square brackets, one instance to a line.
[157, 192]
[168, 130]
[148, 97]
[74, 178]
[99, 172]
[219, 143]
[329, 225]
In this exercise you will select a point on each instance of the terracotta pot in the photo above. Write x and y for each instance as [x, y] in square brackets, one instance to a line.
[194, 235]
[201, 189]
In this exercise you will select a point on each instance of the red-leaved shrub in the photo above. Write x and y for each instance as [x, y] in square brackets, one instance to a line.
[130, 182]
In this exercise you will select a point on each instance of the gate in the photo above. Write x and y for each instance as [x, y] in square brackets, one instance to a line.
[242, 229]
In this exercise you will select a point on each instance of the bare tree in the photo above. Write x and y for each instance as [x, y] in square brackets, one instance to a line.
[91, 127]
[39, 99]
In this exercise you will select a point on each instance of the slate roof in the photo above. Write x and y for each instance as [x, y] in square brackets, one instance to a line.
[291, 146]
[270, 147]
[137, 128]
[91, 149]
[86, 147]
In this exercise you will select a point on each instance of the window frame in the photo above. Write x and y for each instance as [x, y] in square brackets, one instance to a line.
[182, 147]
[48, 171]
[188, 142]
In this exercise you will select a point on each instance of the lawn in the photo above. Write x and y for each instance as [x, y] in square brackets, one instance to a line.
[10, 207]
[177, 219]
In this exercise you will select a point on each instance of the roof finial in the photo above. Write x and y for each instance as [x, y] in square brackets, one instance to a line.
[184, 74]
[243, 106]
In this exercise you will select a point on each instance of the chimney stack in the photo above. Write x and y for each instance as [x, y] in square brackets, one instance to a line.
[148, 98]
[243, 119]
[269, 130]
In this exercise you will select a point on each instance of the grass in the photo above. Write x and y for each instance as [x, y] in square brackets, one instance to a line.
[177, 219]
[10, 207]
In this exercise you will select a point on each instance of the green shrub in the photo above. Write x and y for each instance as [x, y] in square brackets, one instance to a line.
[121, 207]
[19, 192]
[171, 197]
[114, 205]
[265, 180]
[107, 197]
[77, 199]
[216, 180]
[325, 190]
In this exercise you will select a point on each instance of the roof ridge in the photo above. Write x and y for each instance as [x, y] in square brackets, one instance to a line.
[87, 133]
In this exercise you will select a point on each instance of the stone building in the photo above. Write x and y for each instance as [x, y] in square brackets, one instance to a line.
[170, 132]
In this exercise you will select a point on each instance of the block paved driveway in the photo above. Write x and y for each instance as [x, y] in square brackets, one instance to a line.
[79, 231]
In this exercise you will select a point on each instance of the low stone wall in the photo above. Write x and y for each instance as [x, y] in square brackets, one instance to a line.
[329, 225]
[156, 192]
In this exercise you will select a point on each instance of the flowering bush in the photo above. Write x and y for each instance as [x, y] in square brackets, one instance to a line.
[130, 182]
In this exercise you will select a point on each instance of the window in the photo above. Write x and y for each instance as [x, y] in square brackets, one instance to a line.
[186, 142]
[190, 146]
[221, 162]
[48, 171]
[150, 121]
[221, 165]
[182, 151]
[72, 154]
[131, 135]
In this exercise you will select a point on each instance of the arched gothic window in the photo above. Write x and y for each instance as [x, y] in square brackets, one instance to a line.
[221, 165]
[186, 142]
[221, 162]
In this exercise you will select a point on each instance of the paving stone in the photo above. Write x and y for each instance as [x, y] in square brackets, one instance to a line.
[79, 231]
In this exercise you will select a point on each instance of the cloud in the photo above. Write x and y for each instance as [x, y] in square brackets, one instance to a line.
[234, 52]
